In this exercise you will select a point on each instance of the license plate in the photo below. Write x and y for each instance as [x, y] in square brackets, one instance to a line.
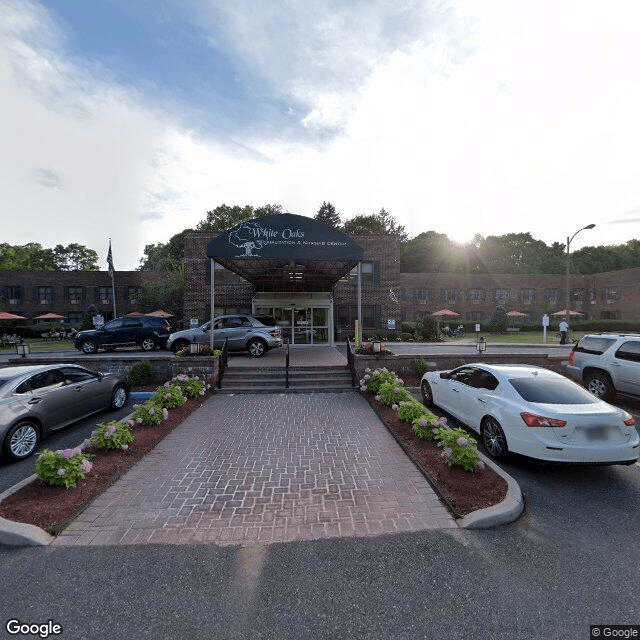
[596, 433]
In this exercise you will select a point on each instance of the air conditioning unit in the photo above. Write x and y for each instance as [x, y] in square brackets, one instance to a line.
[74, 301]
[44, 302]
[13, 301]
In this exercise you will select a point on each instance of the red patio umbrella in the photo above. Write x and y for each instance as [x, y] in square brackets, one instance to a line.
[516, 314]
[160, 314]
[50, 316]
[445, 313]
[563, 312]
[5, 315]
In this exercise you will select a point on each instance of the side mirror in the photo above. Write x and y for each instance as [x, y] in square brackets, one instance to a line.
[445, 375]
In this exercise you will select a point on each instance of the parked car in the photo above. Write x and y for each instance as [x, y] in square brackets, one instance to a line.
[254, 334]
[148, 332]
[534, 412]
[38, 399]
[607, 363]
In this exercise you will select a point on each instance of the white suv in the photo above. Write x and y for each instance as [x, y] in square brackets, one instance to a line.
[607, 363]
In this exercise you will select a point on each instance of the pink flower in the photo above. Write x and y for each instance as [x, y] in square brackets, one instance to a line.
[479, 464]
[462, 442]
[68, 453]
[447, 453]
[61, 472]
[86, 466]
[124, 446]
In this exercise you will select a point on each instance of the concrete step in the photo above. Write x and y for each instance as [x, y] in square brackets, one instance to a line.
[309, 379]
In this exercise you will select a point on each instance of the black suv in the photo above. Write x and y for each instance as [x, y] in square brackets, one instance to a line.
[148, 332]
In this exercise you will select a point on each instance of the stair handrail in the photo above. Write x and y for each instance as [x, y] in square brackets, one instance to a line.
[286, 368]
[351, 361]
[223, 361]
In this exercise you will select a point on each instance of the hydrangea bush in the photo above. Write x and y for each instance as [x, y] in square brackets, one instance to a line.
[62, 468]
[458, 447]
[113, 435]
[191, 387]
[169, 396]
[149, 413]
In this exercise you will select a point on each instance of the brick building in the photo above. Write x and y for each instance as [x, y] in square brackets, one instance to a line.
[312, 288]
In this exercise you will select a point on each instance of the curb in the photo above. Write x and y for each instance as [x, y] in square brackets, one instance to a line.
[504, 512]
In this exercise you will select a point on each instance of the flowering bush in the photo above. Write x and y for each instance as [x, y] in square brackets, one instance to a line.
[63, 468]
[203, 350]
[373, 380]
[169, 396]
[191, 387]
[427, 426]
[112, 435]
[149, 413]
[409, 410]
[458, 447]
[391, 393]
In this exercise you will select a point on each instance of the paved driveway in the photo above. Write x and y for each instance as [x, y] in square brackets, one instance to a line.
[266, 468]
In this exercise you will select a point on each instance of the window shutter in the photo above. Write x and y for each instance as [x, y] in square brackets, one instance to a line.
[376, 273]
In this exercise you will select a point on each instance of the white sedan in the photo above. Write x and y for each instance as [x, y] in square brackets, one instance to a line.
[533, 412]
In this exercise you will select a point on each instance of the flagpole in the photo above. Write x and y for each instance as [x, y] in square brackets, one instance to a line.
[112, 273]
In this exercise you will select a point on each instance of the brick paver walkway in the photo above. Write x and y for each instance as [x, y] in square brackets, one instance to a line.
[250, 469]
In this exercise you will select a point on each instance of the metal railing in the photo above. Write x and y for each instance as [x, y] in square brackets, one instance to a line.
[223, 361]
[351, 361]
[286, 366]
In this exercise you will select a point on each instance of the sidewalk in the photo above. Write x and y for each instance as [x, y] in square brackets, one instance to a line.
[265, 468]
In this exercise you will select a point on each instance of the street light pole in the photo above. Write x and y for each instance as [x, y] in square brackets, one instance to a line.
[569, 239]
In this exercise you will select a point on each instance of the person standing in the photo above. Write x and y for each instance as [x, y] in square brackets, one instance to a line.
[564, 330]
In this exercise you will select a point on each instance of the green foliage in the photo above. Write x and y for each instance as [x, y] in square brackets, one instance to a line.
[149, 413]
[421, 366]
[428, 328]
[169, 396]
[112, 436]
[458, 447]
[141, 372]
[167, 256]
[410, 410]
[62, 468]
[327, 214]
[34, 257]
[374, 379]
[427, 426]
[191, 387]
[499, 319]
[382, 222]
[391, 393]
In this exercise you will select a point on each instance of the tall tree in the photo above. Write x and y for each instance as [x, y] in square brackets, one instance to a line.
[76, 257]
[167, 256]
[327, 214]
[382, 222]
[224, 217]
[34, 257]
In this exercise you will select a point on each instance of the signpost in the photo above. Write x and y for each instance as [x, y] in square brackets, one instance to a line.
[545, 324]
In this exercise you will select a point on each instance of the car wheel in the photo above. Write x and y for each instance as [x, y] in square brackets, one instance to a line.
[22, 440]
[179, 345]
[599, 383]
[493, 438]
[89, 346]
[427, 394]
[119, 397]
[148, 343]
[256, 348]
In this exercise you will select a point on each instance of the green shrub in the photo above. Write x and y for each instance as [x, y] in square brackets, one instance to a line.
[62, 468]
[410, 410]
[191, 387]
[149, 413]
[406, 335]
[458, 447]
[391, 393]
[421, 367]
[169, 396]
[428, 327]
[374, 379]
[112, 436]
[427, 426]
[141, 372]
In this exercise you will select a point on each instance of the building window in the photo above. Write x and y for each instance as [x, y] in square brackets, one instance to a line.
[104, 294]
[370, 274]
[477, 296]
[75, 317]
[422, 295]
[223, 275]
[451, 296]
[346, 317]
[552, 296]
[12, 295]
[502, 296]
[474, 316]
[44, 295]
[610, 315]
[134, 294]
[75, 295]
[527, 296]
[611, 294]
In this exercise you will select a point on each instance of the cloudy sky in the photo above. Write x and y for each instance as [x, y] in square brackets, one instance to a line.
[128, 120]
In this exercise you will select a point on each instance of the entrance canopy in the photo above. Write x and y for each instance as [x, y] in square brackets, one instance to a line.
[286, 252]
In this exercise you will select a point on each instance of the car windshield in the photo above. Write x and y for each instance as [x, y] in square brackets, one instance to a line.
[546, 391]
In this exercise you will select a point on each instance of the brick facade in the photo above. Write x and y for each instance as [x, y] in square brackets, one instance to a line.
[387, 294]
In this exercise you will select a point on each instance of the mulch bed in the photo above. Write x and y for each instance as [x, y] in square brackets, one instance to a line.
[52, 508]
[462, 491]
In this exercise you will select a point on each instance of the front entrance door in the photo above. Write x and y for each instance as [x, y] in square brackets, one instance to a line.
[300, 324]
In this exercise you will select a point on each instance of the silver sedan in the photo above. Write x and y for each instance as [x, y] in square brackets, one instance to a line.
[38, 399]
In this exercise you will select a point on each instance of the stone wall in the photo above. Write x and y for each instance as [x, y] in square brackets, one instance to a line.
[164, 367]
